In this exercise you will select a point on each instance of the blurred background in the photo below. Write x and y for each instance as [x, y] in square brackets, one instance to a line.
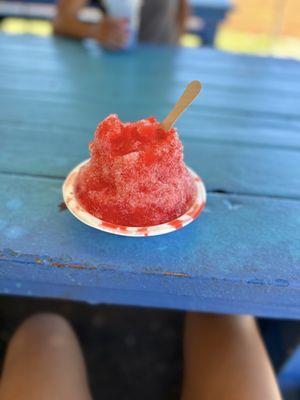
[270, 27]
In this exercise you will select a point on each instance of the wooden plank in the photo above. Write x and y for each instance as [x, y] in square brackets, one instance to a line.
[36, 47]
[208, 128]
[261, 96]
[244, 76]
[224, 261]
[211, 62]
[223, 166]
[15, 106]
[255, 106]
[257, 98]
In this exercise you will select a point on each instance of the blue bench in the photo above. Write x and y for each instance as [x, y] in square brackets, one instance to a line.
[212, 12]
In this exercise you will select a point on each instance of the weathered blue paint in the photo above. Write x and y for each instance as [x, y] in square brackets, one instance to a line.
[223, 261]
[241, 255]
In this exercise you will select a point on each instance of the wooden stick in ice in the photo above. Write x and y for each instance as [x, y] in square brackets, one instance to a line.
[191, 92]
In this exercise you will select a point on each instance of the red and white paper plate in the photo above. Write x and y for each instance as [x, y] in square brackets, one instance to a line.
[80, 213]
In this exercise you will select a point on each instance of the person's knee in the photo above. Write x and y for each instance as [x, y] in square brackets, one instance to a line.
[46, 330]
[44, 361]
[44, 324]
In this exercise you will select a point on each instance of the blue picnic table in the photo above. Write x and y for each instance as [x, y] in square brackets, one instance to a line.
[242, 255]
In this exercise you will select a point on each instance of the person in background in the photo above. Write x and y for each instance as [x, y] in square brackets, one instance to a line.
[162, 21]
[224, 359]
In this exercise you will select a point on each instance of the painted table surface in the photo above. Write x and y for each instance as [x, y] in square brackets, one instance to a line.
[242, 136]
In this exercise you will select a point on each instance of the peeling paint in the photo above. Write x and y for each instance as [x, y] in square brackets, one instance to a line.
[74, 266]
[10, 255]
[35, 261]
[176, 274]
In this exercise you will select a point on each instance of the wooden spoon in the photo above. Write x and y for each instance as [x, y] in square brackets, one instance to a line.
[191, 92]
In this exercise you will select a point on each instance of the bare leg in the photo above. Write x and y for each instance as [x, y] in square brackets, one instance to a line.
[225, 359]
[44, 362]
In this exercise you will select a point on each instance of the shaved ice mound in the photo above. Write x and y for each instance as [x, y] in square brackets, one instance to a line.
[136, 175]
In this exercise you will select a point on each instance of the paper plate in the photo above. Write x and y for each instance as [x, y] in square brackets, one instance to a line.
[80, 213]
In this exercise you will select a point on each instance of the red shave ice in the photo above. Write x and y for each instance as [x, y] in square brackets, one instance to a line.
[136, 175]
